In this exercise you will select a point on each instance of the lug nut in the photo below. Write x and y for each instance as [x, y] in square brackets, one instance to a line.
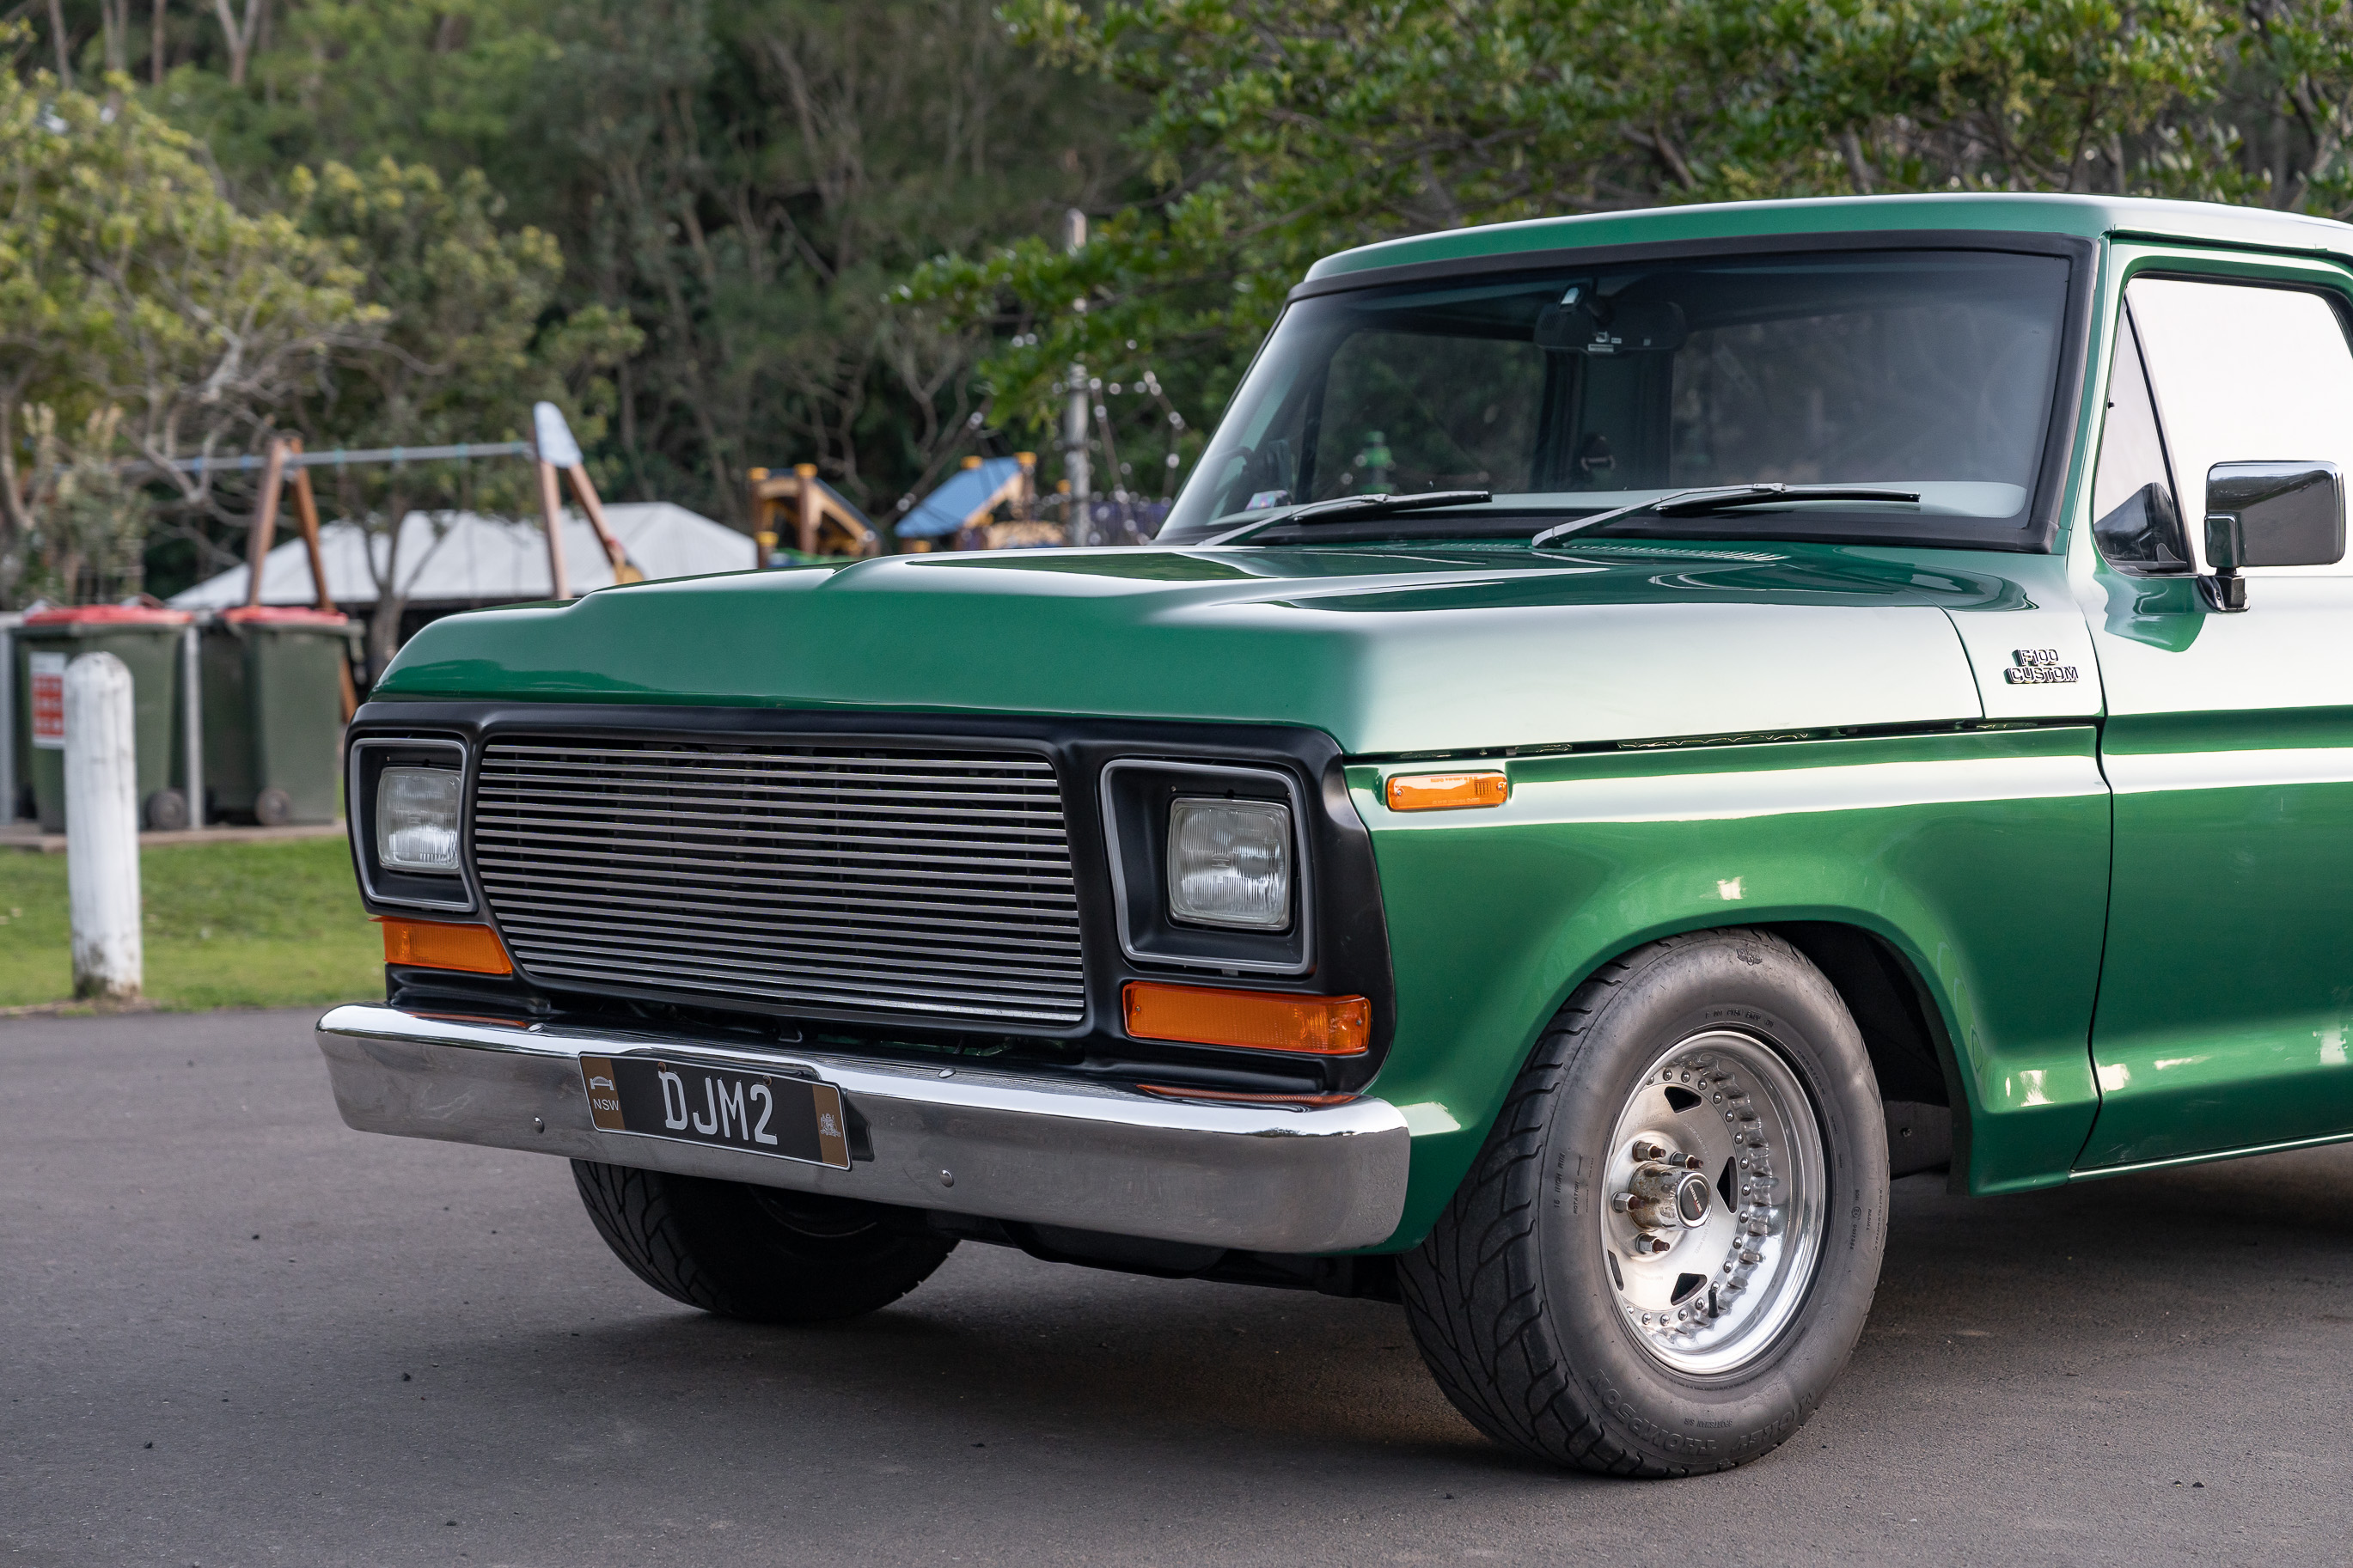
[1620, 1202]
[1647, 1246]
[1645, 1149]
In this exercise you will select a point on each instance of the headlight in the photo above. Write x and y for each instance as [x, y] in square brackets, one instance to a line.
[1230, 863]
[416, 820]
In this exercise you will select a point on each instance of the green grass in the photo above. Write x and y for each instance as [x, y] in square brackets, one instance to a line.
[227, 925]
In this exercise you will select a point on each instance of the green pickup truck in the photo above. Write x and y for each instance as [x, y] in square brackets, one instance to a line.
[1641, 729]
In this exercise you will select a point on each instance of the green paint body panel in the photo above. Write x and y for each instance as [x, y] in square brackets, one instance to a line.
[2123, 900]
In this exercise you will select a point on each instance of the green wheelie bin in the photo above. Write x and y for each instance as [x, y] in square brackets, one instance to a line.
[273, 713]
[148, 643]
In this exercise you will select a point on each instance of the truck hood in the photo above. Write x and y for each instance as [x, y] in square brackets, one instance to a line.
[1389, 650]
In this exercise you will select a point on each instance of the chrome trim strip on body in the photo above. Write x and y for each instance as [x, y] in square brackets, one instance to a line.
[1019, 1145]
[1735, 793]
[2227, 767]
[2208, 1157]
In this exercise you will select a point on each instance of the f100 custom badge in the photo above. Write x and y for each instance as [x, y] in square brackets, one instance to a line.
[2038, 666]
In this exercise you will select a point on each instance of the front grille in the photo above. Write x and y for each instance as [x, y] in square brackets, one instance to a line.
[841, 878]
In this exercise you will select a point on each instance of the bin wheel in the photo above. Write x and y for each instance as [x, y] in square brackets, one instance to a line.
[166, 811]
[273, 807]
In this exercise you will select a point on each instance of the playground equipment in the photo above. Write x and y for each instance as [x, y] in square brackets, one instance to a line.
[960, 509]
[557, 449]
[823, 521]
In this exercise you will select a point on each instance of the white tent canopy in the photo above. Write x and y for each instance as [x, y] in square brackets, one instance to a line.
[463, 558]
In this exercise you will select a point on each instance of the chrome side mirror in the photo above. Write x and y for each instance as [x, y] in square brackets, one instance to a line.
[2270, 514]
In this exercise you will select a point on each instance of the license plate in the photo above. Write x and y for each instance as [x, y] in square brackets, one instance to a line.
[725, 1107]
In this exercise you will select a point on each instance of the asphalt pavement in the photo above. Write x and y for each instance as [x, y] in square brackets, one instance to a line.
[233, 1332]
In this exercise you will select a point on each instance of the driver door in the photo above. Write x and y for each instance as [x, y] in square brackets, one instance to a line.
[2226, 990]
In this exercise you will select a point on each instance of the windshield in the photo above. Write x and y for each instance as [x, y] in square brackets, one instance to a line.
[1571, 391]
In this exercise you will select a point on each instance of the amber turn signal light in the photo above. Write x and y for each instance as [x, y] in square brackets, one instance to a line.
[1447, 792]
[1256, 1020]
[434, 944]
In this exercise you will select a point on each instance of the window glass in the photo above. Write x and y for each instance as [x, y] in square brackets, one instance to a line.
[1919, 370]
[1398, 417]
[2136, 518]
[2243, 373]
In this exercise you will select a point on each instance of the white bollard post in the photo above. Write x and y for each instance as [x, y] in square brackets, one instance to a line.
[102, 829]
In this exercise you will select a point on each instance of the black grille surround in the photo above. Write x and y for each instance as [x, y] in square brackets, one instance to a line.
[834, 876]
[1352, 939]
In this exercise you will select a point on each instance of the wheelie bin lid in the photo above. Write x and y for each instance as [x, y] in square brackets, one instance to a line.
[107, 616]
[284, 615]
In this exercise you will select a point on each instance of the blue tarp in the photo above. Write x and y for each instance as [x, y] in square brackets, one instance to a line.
[942, 512]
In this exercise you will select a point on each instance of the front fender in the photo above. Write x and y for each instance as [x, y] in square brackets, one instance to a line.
[1981, 856]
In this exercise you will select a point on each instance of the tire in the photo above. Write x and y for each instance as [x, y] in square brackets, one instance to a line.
[1531, 1300]
[273, 807]
[755, 1253]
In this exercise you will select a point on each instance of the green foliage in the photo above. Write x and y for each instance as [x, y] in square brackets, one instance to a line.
[224, 925]
[129, 283]
[727, 233]
[90, 544]
[741, 181]
[442, 84]
[1280, 133]
[465, 346]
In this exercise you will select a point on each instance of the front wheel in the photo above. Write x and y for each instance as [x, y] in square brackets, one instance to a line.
[755, 1253]
[1666, 1250]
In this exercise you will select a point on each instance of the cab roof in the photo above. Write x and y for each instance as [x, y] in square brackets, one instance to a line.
[2089, 217]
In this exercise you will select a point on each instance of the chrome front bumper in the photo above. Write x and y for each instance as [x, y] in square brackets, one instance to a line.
[1003, 1144]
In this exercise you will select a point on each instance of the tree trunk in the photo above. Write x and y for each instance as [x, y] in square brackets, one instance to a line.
[57, 32]
[156, 46]
[240, 35]
[114, 25]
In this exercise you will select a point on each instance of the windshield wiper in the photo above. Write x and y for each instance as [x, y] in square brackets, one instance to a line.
[1380, 505]
[1699, 503]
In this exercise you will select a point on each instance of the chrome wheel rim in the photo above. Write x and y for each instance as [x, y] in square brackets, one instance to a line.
[1713, 1220]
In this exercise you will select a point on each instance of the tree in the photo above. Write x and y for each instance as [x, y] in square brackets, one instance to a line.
[129, 283]
[745, 180]
[1280, 133]
[466, 345]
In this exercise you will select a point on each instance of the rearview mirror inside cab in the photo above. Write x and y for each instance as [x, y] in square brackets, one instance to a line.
[2270, 514]
[1586, 323]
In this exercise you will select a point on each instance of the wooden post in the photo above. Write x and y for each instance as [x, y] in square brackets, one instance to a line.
[550, 507]
[764, 535]
[624, 571]
[807, 496]
[306, 515]
[102, 829]
[265, 521]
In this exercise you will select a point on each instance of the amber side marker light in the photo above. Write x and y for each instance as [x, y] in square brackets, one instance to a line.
[1256, 1020]
[435, 944]
[1447, 792]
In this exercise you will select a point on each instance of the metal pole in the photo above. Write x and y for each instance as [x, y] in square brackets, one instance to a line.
[193, 712]
[1079, 529]
[103, 828]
